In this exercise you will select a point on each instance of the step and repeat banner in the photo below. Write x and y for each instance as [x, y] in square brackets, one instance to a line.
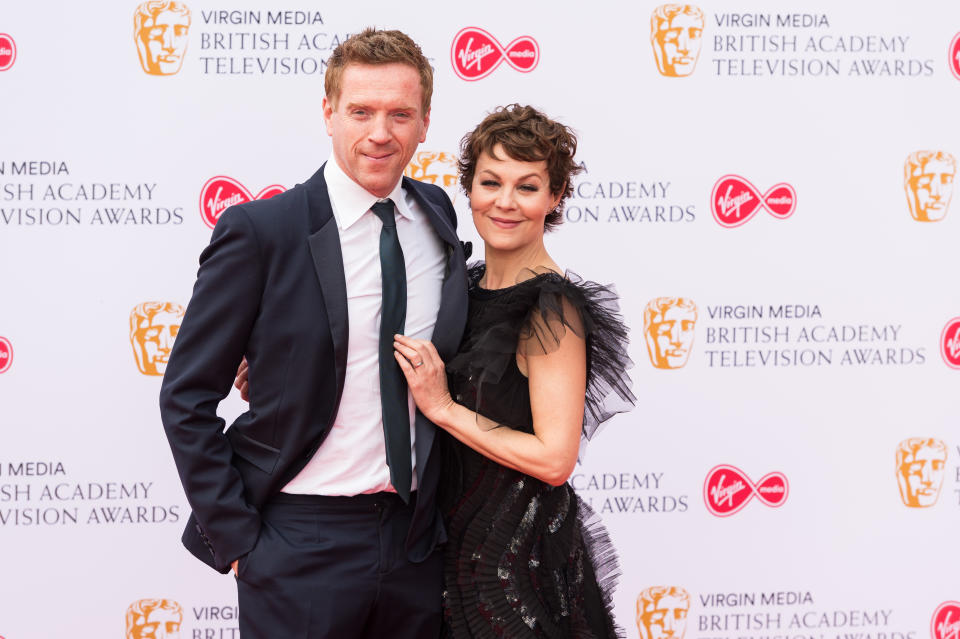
[769, 185]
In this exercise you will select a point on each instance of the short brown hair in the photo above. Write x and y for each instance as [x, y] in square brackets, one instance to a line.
[371, 46]
[529, 136]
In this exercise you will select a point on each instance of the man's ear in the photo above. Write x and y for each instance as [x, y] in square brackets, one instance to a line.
[328, 109]
[426, 125]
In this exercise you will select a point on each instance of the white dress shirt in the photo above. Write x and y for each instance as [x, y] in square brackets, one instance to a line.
[352, 459]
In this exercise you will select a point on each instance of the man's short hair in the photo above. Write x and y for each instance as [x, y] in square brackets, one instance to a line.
[149, 10]
[528, 135]
[919, 160]
[372, 46]
[660, 305]
[666, 12]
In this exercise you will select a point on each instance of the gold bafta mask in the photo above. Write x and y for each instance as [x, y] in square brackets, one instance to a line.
[921, 465]
[668, 325]
[662, 612]
[436, 168]
[153, 328]
[161, 29]
[928, 181]
[154, 619]
[676, 33]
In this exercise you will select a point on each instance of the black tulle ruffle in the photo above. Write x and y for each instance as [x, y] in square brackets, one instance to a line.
[531, 318]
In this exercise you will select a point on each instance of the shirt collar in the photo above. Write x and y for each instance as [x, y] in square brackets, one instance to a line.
[350, 201]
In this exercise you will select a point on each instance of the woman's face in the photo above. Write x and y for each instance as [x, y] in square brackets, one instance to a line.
[510, 199]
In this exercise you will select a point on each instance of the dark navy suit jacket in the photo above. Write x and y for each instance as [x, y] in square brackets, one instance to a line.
[271, 287]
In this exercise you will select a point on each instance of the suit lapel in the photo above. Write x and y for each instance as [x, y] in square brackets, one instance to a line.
[452, 314]
[328, 264]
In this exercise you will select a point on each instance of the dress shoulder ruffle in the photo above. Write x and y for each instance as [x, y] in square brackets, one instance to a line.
[532, 317]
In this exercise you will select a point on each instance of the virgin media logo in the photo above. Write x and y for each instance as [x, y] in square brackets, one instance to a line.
[946, 621]
[735, 200]
[950, 343]
[475, 54]
[955, 56]
[221, 192]
[6, 358]
[8, 55]
[727, 490]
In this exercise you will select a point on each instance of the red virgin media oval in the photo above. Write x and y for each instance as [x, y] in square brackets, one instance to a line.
[955, 56]
[727, 490]
[475, 53]
[8, 51]
[6, 358]
[950, 345]
[945, 623]
[221, 192]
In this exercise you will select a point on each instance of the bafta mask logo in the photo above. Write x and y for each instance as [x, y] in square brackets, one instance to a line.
[668, 325]
[955, 56]
[154, 619]
[153, 329]
[928, 181]
[161, 30]
[8, 51]
[662, 612]
[222, 192]
[921, 465]
[434, 167]
[945, 623]
[950, 343]
[6, 354]
[676, 33]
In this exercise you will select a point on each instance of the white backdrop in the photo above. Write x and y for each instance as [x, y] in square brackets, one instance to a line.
[102, 165]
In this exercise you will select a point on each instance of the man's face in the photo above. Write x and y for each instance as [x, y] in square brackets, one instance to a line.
[921, 475]
[670, 337]
[376, 123]
[931, 191]
[155, 337]
[162, 42]
[667, 619]
[158, 624]
[677, 45]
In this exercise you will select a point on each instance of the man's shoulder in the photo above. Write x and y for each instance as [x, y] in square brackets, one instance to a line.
[280, 206]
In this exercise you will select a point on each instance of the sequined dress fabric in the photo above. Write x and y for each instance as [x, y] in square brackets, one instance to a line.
[526, 559]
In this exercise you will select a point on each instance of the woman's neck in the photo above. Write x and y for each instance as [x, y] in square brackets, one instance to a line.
[506, 268]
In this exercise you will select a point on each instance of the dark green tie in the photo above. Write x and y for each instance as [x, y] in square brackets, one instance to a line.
[393, 385]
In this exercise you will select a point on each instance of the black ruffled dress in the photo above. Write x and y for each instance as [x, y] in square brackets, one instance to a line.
[525, 559]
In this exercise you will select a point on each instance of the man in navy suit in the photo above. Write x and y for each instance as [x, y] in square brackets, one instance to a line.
[322, 497]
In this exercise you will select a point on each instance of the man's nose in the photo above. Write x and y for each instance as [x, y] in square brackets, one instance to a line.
[926, 475]
[379, 131]
[166, 340]
[683, 42]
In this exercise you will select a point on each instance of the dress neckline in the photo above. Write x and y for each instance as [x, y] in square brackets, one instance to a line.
[482, 292]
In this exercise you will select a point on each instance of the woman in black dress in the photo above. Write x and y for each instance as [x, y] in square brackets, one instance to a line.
[542, 364]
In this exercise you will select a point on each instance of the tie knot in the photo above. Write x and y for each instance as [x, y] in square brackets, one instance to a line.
[384, 210]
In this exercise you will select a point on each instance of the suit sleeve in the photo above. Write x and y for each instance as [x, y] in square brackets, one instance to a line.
[209, 346]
